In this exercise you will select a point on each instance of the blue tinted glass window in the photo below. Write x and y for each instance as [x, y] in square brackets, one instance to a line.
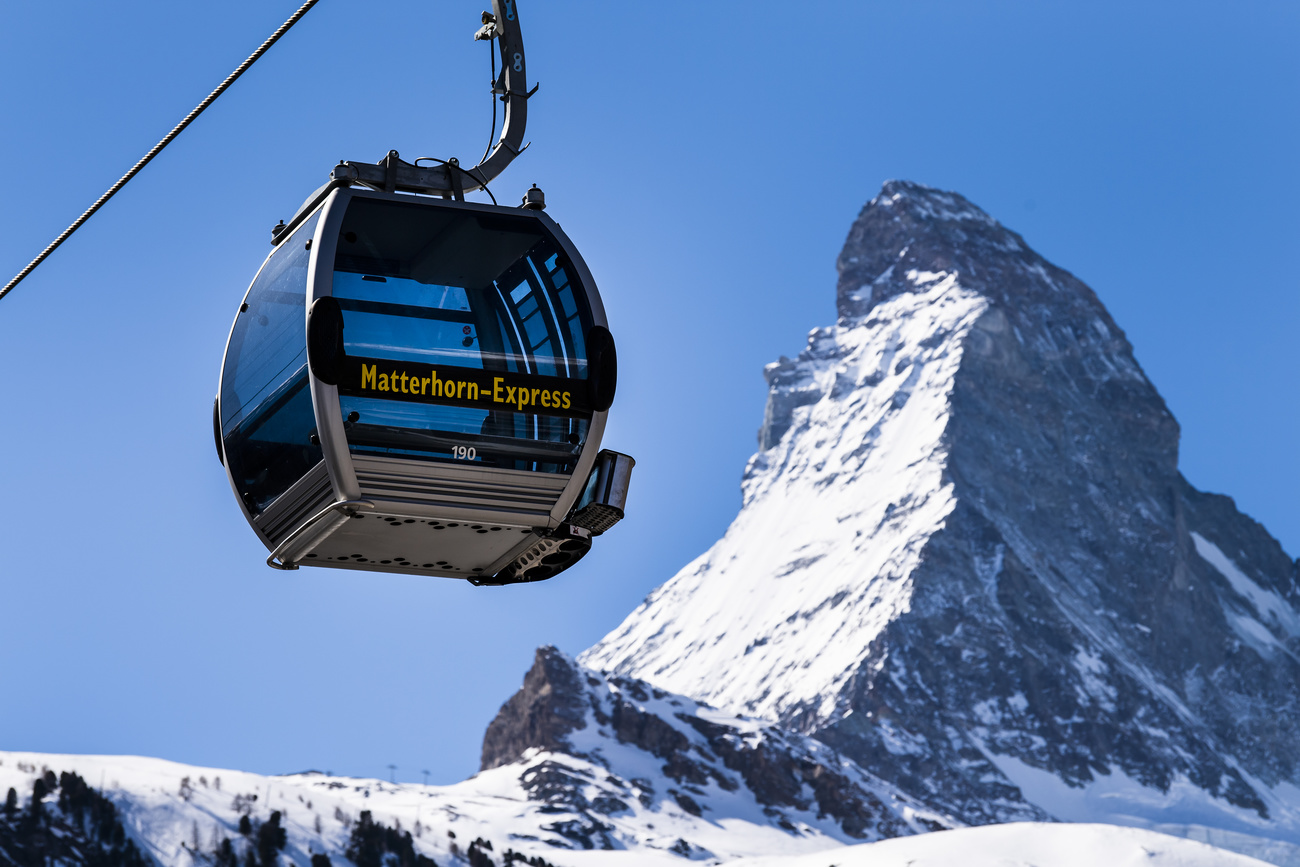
[450, 287]
[405, 320]
[267, 420]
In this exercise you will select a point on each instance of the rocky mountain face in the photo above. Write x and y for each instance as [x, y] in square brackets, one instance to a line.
[655, 748]
[966, 558]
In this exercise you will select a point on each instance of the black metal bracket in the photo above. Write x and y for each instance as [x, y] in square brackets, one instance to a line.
[457, 185]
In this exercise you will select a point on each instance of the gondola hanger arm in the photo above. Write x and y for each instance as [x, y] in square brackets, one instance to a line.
[450, 178]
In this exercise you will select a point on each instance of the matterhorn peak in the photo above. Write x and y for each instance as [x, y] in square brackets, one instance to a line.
[898, 232]
[966, 557]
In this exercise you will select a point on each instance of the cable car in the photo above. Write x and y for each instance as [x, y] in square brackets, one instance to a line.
[418, 384]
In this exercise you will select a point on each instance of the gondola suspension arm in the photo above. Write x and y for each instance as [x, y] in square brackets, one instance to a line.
[449, 178]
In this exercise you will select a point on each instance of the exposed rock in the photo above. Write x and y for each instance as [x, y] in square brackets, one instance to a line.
[966, 554]
[540, 715]
[702, 755]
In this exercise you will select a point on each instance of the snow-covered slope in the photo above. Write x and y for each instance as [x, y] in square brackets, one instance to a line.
[835, 516]
[1042, 845]
[546, 805]
[179, 814]
[966, 558]
[575, 761]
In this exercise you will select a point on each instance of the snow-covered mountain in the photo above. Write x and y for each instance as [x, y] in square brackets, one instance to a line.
[967, 560]
[967, 586]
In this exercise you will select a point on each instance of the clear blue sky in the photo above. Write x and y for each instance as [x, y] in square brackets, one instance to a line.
[708, 160]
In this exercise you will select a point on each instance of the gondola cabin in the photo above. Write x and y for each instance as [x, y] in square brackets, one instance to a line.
[419, 385]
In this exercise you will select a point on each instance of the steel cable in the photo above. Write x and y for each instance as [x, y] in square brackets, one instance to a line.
[144, 161]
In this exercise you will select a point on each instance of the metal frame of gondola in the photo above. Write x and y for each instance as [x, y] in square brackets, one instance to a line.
[349, 492]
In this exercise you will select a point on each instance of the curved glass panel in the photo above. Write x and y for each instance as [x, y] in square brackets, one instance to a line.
[267, 422]
[465, 337]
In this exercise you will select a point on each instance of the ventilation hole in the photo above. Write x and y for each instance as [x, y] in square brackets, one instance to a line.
[443, 563]
[409, 521]
[480, 531]
[343, 558]
[311, 555]
[439, 528]
[356, 555]
[358, 517]
[362, 560]
[476, 526]
[494, 529]
[478, 568]
[427, 566]
[453, 525]
[385, 562]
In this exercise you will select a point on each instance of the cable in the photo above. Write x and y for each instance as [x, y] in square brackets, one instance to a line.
[144, 161]
[466, 172]
[492, 53]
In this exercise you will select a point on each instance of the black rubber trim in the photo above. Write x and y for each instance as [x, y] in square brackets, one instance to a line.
[216, 428]
[602, 368]
[325, 351]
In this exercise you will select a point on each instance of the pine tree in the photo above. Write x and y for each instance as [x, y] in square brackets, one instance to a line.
[38, 794]
[11, 803]
[225, 854]
[271, 838]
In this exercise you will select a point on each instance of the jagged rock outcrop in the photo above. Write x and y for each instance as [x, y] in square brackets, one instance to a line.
[967, 560]
[541, 715]
[704, 762]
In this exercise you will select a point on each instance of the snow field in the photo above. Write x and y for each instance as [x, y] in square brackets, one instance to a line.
[1022, 844]
[818, 560]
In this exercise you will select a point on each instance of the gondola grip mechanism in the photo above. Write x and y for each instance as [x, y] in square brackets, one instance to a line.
[392, 173]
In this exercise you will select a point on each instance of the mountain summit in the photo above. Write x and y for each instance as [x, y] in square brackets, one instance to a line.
[966, 558]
